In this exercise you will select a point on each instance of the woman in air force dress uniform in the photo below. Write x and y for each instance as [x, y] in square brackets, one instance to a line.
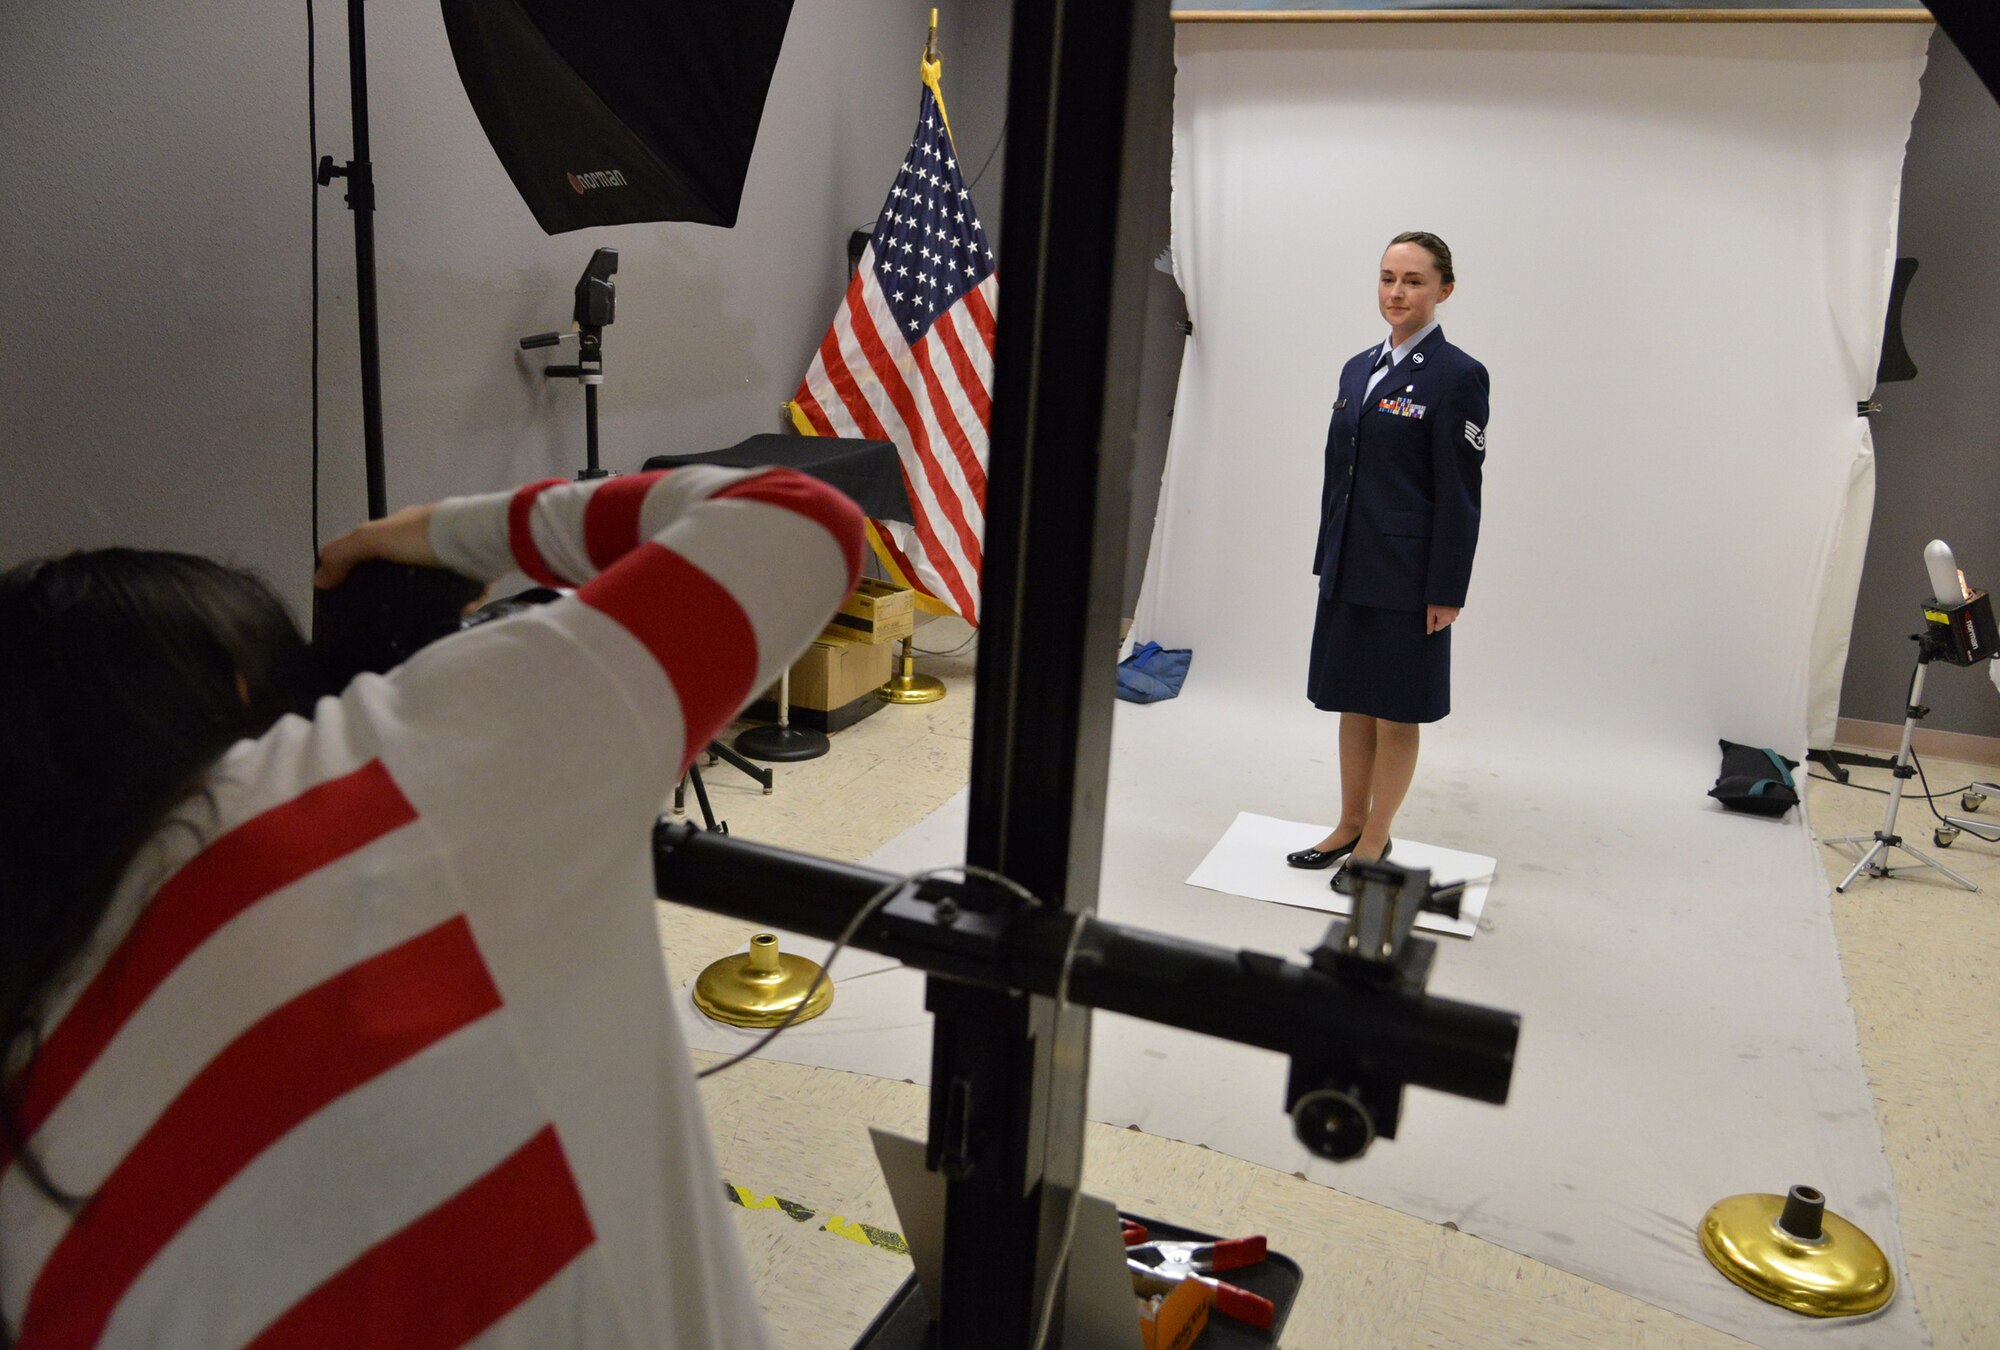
[1399, 518]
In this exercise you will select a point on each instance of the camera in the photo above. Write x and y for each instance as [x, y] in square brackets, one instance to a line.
[384, 613]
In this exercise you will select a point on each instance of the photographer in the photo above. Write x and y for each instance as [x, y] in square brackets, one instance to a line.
[345, 1022]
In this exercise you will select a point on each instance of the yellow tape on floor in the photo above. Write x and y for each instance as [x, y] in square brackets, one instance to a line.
[868, 1235]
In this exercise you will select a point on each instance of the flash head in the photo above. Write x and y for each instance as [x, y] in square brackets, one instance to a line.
[596, 294]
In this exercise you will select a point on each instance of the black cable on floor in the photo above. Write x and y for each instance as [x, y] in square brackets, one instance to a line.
[1927, 794]
[1917, 760]
[926, 651]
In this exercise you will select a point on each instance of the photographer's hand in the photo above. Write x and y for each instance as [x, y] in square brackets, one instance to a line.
[404, 537]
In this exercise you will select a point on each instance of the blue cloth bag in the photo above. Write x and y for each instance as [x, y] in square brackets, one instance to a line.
[1152, 672]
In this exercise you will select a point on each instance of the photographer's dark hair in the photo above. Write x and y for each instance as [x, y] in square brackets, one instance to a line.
[1439, 250]
[124, 675]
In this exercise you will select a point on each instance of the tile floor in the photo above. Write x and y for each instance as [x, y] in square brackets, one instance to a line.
[1921, 957]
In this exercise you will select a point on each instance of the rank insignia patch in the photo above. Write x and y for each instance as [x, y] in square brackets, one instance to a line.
[1477, 436]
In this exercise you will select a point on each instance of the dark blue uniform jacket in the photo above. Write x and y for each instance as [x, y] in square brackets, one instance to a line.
[1399, 512]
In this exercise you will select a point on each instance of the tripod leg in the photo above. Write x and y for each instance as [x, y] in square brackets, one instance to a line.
[680, 796]
[763, 776]
[1929, 861]
[1875, 850]
[701, 795]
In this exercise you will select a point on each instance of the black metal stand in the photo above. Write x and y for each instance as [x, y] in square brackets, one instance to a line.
[762, 777]
[1008, 1073]
[595, 307]
[715, 751]
[589, 372]
[783, 743]
[708, 820]
[1837, 762]
[1355, 1020]
[360, 176]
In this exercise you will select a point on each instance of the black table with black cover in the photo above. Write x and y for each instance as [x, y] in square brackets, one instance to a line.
[870, 472]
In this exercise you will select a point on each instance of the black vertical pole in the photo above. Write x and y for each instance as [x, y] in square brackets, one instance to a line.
[361, 200]
[590, 465]
[1008, 1076]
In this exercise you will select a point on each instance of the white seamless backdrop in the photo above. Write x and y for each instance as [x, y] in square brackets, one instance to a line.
[1673, 245]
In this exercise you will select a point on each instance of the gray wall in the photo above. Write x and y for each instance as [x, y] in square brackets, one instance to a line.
[974, 39]
[1937, 438]
[154, 331]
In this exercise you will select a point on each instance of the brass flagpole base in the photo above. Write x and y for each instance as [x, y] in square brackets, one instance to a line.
[759, 988]
[906, 686]
[1788, 1250]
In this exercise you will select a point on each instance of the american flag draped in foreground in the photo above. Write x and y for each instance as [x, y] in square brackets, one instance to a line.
[909, 359]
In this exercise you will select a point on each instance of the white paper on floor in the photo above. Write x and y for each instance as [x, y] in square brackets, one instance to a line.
[1249, 860]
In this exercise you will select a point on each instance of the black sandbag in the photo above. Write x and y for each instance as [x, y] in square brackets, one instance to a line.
[1756, 780]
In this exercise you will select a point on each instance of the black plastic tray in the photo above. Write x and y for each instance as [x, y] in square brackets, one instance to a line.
[905, 1322]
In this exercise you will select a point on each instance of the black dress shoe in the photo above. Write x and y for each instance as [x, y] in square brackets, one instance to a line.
[1317, 858]
[1338, 881]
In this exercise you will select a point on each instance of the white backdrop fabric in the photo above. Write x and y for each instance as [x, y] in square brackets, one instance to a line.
[1673, 244]
[1685, 1032]
[1842, 589]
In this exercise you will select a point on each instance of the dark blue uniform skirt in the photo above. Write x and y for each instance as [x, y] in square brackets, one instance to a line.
[1378, 662]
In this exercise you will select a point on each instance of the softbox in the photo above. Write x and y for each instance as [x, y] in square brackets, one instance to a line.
[622, 110]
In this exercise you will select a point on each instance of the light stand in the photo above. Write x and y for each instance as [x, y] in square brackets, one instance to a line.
[360, 176]
[596, 305]
[783, 743]
[1874, 860]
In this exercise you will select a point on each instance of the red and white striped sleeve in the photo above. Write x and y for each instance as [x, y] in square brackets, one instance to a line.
[440, 884]
[722, 575]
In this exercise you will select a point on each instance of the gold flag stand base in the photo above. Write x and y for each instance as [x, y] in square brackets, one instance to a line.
[906, 686]
[1788, 1250]
[759, 988]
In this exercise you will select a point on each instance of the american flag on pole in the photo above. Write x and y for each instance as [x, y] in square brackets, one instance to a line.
[909, 359]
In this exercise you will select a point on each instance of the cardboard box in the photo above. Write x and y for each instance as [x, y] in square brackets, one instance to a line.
[1177, 1322]
[833, 684]
[878, 611]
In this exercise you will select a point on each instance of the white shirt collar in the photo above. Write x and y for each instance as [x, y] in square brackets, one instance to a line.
[1397, 353]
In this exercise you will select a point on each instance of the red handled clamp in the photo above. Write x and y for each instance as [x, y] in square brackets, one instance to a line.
[1158, 1266]
[1205, 1257]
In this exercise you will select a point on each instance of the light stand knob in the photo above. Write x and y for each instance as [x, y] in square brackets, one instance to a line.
[1333, 1124]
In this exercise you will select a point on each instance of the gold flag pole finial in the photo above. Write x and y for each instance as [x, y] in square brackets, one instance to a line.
[930, 68]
